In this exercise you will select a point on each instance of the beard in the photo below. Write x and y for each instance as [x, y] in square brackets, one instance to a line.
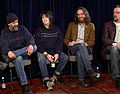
[14, 28]
[115, 18]
[81, 20]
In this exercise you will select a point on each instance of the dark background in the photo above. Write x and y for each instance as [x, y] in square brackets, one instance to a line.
[28, 12]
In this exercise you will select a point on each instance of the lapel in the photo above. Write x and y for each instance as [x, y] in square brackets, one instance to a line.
[75, 29]
[86, 32]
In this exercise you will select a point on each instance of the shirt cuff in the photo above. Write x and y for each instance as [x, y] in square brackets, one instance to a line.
[114, 44]
[86, 44]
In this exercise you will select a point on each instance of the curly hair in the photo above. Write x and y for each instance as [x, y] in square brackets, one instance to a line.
[85, 12]
[48, 14]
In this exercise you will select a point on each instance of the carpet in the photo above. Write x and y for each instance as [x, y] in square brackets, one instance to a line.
[97, 86]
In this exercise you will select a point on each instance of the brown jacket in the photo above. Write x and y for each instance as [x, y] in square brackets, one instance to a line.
[72, 33]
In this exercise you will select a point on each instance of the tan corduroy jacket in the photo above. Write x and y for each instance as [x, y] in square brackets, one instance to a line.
[72, 33]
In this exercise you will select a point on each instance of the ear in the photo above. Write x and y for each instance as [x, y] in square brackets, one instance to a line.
[8, 24]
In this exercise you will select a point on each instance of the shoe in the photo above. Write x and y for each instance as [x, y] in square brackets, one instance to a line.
[83, 83]
[26, 89]
[92, 74]
[53, 80]
[118, 84]
[48, 85]
[3, 66]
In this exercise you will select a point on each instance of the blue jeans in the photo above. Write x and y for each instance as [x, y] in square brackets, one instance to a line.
[114, 60]
[42, 60]
[18, 63]
[82, 56]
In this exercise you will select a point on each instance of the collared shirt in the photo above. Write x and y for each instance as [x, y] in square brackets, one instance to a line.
[117, 36]
[81, 30]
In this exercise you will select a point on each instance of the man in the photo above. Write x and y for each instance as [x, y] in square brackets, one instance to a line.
[16, 44]
[111, 43]
[80, 35]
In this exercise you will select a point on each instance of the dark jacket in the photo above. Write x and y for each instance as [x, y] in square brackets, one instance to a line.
[108, 36]
[49, 40]
[13, 40]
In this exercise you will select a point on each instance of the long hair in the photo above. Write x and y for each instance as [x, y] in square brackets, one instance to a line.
[48, 14]
[85, 12]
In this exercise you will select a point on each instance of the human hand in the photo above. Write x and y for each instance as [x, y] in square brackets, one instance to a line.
[118, 46]
[56, 57]
[11, 55]
[71, 43]
[49, 58]
[29, 50]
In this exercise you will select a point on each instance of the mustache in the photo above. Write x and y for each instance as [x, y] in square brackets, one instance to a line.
[80, 17]
[114, 16]
[15, 26]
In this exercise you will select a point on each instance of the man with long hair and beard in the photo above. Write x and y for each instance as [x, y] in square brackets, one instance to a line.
[79, 38]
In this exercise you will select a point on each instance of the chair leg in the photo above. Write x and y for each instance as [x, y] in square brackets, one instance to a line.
[11, 78]
[61, 78]
[30, 75]
[71, 73]
[108, 70]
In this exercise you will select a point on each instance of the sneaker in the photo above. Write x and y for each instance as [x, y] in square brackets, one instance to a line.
[53, 80]
[48, 85]
[26, 89]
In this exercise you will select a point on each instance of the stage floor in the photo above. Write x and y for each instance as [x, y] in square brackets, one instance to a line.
[97, 86]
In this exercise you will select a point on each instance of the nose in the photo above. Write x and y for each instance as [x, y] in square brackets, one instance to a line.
[16, 23]
[114, 14]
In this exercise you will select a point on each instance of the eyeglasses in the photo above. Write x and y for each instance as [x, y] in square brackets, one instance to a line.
[80, 14]
[116, 12]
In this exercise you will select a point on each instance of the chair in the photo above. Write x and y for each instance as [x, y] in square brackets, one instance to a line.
[72, 58]
[26, 62]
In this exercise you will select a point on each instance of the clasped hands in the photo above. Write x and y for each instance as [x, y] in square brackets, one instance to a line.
[49, 57]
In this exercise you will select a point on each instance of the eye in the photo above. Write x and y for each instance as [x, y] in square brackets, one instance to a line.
[116, 12]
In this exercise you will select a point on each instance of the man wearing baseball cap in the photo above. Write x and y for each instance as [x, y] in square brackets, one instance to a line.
[17, 43]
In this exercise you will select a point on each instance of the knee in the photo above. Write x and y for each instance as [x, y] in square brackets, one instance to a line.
[19, 58]
[65, 57]
[35, 48]
[41, 58]
[114, 49]
[82, 45]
